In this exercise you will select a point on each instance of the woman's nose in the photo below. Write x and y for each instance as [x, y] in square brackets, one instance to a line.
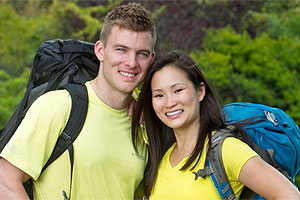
[171, 101]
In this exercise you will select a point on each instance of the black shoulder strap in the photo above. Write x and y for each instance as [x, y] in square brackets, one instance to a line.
[74, 125]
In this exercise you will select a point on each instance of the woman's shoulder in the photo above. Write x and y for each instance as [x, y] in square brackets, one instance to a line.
[235, 153]
[234, 146]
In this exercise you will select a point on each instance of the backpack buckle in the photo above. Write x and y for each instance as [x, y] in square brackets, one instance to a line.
[66, 138]
[203, 173]
[231, 197]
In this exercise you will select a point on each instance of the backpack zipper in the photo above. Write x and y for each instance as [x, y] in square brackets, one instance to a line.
[271, 117]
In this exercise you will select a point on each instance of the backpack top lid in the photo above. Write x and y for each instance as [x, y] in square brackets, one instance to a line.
[274, 130]
[57, 59]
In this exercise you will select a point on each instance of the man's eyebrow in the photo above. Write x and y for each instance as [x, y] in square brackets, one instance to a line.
[120, 45]
[126, 47]
[145, 50]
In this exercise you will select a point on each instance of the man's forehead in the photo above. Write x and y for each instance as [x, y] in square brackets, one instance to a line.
[122, 36]
[121, 30]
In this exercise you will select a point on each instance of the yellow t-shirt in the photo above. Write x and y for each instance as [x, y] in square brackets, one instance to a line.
[105, 163]
[171, 183]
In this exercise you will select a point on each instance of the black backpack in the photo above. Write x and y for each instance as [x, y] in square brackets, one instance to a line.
[58, 64]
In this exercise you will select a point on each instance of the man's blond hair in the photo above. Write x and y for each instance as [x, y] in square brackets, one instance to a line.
[132, 16]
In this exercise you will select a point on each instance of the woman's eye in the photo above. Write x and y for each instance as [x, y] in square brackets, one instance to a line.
[178, 90]
[157, 95]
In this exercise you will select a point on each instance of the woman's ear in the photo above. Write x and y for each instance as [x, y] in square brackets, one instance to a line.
[99, 50]
[201, 91]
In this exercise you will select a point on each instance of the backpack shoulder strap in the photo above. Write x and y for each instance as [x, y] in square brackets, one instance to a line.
[215, 161]
[214, 165]
[74, 125]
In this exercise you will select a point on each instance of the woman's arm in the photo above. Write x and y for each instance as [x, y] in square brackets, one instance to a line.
[266, 181]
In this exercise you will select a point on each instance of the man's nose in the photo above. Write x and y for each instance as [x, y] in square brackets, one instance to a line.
[131, 60]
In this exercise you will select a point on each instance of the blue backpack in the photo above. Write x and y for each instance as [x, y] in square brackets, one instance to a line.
[270, 132]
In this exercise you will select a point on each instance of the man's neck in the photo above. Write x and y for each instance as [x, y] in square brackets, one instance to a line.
[113, 99]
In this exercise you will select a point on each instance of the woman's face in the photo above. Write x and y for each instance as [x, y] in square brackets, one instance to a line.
[175, 99]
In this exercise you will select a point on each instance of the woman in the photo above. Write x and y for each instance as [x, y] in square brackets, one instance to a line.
[181, 113]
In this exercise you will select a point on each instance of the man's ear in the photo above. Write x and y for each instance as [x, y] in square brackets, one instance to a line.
[152, 58]
[201, 92]
[99, 50]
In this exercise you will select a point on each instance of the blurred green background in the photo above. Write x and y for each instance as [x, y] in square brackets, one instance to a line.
[249, 50]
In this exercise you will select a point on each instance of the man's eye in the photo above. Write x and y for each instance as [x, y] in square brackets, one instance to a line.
[121, 49]
[143, 54]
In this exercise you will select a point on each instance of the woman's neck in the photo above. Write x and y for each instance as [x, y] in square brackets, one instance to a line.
[186, 140]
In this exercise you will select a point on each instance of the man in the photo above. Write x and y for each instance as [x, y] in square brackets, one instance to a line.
[106, 165]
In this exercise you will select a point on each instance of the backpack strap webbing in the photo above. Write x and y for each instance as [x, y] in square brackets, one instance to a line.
[214, 165]
[75, 122]
[74, 125]
[215, 162]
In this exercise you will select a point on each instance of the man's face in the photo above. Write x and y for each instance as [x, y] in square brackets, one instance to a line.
[125, 59]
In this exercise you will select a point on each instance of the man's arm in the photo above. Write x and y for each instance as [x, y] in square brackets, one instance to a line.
[11, 181]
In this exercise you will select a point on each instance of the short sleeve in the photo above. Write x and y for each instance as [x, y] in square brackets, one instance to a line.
[235, 154]
[32, 143]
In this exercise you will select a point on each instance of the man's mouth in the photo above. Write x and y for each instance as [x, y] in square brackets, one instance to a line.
[129, 75]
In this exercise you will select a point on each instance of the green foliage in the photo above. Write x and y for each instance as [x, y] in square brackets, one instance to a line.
[21, 37]
[278, 18]
[280, 6]
[297, 180]
[261, 70]
[11, 92]
[80, 23]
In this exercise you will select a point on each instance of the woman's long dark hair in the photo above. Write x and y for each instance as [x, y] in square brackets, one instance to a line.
[160, 136]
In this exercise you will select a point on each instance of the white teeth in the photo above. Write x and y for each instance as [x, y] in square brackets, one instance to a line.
[174, 113]
[127, 74]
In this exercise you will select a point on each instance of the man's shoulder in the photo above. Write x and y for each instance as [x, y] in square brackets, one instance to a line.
[56, 96]
[58, 99]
